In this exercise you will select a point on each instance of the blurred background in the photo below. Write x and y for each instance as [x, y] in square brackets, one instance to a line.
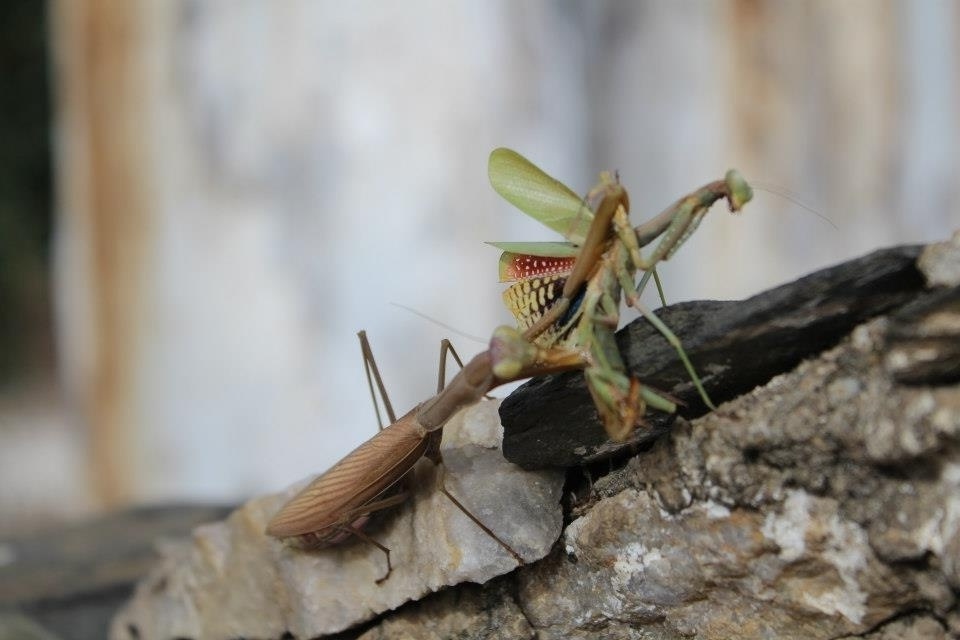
[202, 202]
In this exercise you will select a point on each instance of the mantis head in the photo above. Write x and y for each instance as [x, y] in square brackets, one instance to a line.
[740, 193]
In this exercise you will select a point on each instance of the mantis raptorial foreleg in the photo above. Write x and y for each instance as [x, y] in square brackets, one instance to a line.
[677, 222]
[684, 217]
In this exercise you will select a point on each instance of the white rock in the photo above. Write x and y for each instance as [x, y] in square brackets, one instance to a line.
[231, 580]
[940, 262]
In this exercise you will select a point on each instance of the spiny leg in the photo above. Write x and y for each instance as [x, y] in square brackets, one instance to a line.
[476, 520]
[373, 374]
[677, 222]
[620, 398]
[386, 550]
[687, 217]
[656, 280]
[628, 237]
[446, 347]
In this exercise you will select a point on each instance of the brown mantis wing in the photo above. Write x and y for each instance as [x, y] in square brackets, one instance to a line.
[369, 470]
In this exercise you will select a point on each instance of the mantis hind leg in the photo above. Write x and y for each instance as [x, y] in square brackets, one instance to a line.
[446, 347]
[373, 376]
[652, 272]
[459, 505]
[386, 550]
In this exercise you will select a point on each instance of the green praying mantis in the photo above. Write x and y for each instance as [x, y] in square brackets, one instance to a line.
[590, 315]
[566, 300]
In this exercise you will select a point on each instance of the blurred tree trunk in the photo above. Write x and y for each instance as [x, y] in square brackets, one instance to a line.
[105, 176]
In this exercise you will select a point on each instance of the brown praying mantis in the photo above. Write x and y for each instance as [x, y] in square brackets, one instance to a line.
[601, 257]
[588, 319]
[372, 478]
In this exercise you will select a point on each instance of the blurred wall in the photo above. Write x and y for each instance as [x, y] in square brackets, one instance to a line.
[243, 186]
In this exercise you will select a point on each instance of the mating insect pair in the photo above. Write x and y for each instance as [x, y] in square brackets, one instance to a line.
[603, 249]
[566, 301]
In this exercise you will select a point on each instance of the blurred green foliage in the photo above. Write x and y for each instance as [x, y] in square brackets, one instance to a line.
[25, 188]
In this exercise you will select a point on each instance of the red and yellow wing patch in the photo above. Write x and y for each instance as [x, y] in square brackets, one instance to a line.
[519, 266]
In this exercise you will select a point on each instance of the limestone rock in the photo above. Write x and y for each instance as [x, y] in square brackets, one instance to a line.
[231, 580]
[940, 262]
[824, 504]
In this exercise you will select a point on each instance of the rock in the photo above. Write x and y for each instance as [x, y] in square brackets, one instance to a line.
[824, 504]
[913, 627]
[923, 339]
[734, 346]
[71, 581]
[816, 506]
[231, 580]
[940, 262]
[470, 612]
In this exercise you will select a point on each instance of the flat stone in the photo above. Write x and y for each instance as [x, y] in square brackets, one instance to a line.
[231, 580]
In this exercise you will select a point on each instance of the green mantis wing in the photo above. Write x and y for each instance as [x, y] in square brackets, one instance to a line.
[539, 195]
[546, 249]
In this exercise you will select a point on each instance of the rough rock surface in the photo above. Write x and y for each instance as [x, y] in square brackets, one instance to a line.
[824, 504]
[940, 262]
[231, 580]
